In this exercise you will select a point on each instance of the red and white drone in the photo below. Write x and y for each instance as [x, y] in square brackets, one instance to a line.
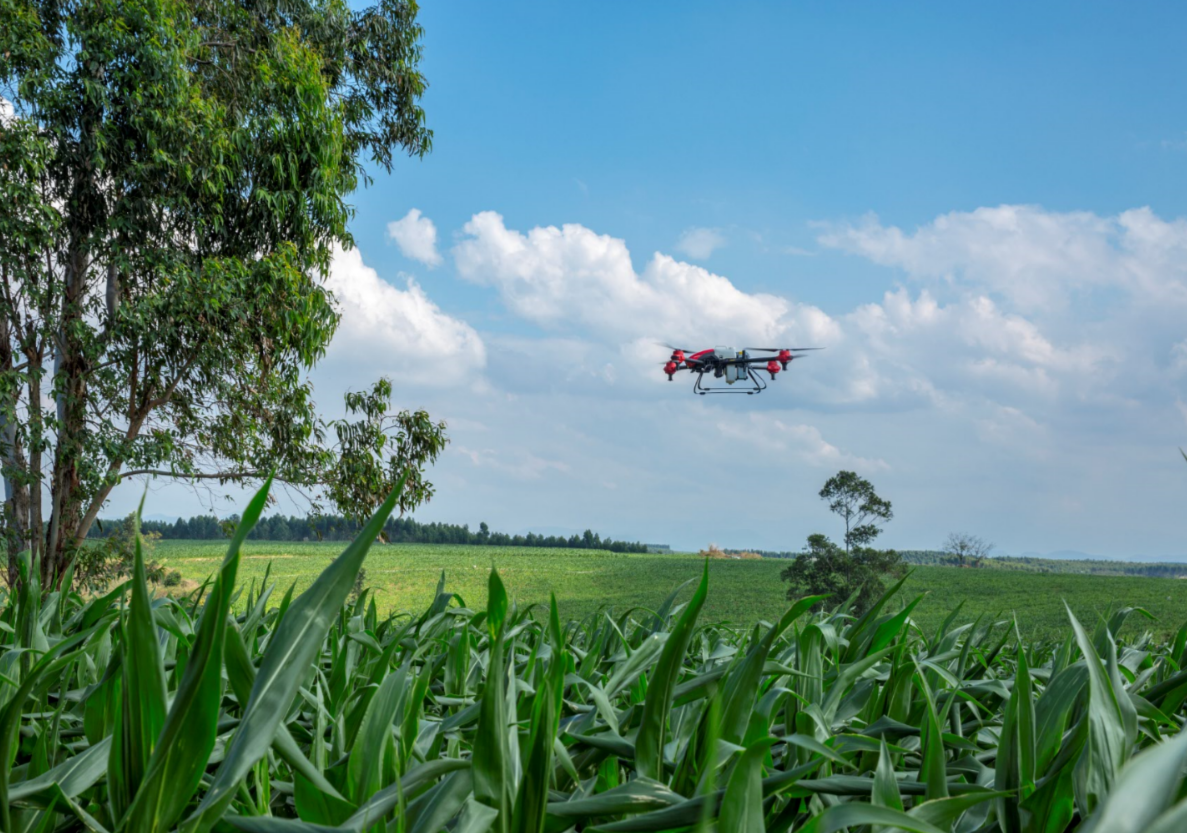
[732, 365]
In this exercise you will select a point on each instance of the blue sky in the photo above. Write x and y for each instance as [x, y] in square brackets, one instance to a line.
[978, 211]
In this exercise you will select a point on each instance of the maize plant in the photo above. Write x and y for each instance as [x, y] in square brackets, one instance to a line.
[227, 709]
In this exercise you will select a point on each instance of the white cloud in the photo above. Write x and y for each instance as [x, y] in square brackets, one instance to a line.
[803, 442]
[561, 277]
[397, 332]
[1036, 258]
[416, 236]
[700, 243]
[1179, 357]
[521, 464]
[956, 392]
[1012, 428]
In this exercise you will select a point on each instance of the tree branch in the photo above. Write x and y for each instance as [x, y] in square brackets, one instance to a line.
[219, 475]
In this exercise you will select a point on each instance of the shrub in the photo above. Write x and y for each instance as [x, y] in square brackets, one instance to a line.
[101, 563]
[825, 568]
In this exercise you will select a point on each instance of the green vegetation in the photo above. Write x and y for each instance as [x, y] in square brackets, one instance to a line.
[744, 592]
[1031, 564]
[857, 571]
[122, 713]
[174, 180]
[278, 527]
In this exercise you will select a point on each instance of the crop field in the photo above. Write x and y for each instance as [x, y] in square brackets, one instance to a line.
[309, 713]
[404, 576]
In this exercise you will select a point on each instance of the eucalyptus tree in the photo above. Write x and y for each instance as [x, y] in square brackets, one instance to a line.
[174, 180]
[853, 498]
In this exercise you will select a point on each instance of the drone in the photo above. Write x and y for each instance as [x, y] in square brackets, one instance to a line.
[732, 366]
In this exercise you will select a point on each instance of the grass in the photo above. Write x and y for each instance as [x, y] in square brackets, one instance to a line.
[404, 577]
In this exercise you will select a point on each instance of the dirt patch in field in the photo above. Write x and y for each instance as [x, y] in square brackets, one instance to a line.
[714, 552]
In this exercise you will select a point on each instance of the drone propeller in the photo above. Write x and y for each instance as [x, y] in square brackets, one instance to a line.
[781, 349]
[677, 349]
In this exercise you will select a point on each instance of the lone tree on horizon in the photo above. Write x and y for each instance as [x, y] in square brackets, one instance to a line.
[854, 499]
[857, 571]
[963, 545]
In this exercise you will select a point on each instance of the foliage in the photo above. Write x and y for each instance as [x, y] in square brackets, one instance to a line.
[361, 475]
[97, 567]
[313, 713]
[854, 499]
[283, 528]
[1035, 564]
[856, 572]
[174, 179]
[402, 577]
[962, 546]
[825, 569]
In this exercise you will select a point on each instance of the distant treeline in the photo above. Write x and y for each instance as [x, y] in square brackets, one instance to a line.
[1088, 566]
[1028, 564]
[766, 553]
[337, 528]
[1095, 567]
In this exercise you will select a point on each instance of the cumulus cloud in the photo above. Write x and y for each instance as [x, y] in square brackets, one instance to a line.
[416, 236]
[1035, 258]
[700, 243]
[802, 442]
[566, 276]
[398, 332]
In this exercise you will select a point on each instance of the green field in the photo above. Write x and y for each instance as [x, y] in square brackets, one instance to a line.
[404, 577]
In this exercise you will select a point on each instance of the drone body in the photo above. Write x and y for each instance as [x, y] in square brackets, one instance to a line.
[731, 366]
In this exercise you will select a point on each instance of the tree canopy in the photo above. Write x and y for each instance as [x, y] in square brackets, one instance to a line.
[856, 571]
[964, 546]
[174, 179]
[854, 499]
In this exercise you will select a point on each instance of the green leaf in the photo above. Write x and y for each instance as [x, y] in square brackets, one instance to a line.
[187, 739]
[640, 795]
[886, 792]
[73, 776]
[1146, 788]
[1110, 716]
[649, 744]
[842, 816]
[142, 710]
[532, 801]
[293, 647]
[318, 806]
[493, 775]
[1014, 772]
[741, 686]
[935, 771]
[374, 747]
[741, 809]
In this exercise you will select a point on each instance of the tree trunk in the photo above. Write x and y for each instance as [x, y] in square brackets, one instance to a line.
[70, 379]
[17, 501]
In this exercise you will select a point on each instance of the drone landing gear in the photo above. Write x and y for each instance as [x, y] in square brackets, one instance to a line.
[757, 385]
